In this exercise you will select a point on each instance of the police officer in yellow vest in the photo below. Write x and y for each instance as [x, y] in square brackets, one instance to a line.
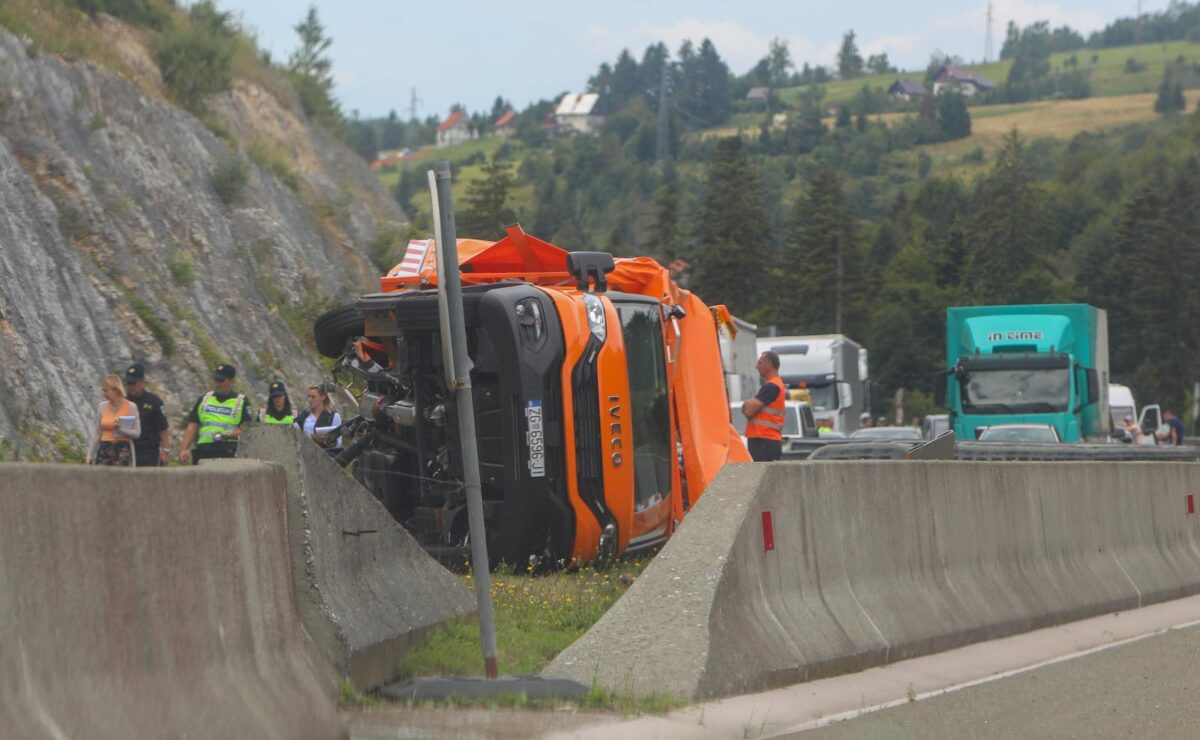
[216, 420]
[764, 412]
[279, 407]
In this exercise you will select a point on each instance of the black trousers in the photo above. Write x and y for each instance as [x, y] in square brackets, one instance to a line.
[147, 457]
[212, 451]
[764, 450]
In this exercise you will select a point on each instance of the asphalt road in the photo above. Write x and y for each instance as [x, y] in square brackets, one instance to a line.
[1144, 689]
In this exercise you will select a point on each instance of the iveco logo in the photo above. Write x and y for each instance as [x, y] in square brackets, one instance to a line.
[614, 431]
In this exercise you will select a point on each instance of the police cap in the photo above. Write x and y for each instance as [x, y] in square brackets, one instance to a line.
[135, 372]
[277, 389]
[225, 372]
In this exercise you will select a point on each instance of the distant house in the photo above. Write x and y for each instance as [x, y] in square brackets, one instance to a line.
[758, 94]
[959, 79]
[907, 90]
[574, 113]
[454, 130]
[506, 125]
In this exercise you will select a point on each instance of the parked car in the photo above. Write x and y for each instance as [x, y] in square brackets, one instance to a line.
[797, 420]
[1022, 433]
[887, 433]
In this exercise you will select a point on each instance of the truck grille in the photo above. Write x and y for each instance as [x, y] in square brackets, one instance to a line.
[585, 387]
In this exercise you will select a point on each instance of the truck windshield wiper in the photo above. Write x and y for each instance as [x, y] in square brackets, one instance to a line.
[1038, 406]
[988, 408]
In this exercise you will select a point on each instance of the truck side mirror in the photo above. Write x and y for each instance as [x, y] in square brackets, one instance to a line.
[939, 389]
[1093, 383]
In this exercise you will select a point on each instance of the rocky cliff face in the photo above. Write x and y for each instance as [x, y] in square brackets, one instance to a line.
[115, 246]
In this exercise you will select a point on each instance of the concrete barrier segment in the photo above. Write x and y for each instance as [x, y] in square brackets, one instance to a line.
[153, 603]
[874, 562]
[368, 592]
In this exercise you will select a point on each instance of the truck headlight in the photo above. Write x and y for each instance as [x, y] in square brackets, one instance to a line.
[595, 317]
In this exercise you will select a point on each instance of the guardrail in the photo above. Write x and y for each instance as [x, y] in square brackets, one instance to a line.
[999, 452]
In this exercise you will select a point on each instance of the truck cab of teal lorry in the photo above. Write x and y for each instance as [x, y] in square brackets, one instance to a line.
[1029, 364]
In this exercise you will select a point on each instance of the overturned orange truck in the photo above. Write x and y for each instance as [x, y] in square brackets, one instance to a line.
[600, 405]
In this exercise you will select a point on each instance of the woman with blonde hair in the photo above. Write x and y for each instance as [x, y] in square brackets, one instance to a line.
[119, 424]
[319, 421]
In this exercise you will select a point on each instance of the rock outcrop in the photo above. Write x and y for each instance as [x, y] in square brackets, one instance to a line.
[115, 245]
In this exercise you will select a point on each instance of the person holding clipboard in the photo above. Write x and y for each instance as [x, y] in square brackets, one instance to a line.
[319, 421]
[118, 425]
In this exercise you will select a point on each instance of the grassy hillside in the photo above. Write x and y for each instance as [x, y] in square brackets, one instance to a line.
[1107, 66]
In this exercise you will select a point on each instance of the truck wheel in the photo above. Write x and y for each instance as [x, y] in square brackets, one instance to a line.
[333, 329]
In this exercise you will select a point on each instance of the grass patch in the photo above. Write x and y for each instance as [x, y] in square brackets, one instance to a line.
[276, 161]
[158, 328]
[228, 179]
[597, 698]
[536, 618]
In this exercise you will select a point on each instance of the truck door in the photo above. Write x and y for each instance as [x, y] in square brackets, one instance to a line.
[653, 449]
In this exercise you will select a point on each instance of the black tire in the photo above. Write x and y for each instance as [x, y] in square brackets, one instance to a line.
[333, 329]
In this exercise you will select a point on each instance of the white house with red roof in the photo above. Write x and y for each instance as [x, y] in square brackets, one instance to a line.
[961, 80]
[454, 130]
[506, 125]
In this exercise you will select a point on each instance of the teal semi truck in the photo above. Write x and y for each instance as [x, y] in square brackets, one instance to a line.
[1029, 365]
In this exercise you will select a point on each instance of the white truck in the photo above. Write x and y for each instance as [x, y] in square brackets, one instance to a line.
[739, 357]
[828, 367]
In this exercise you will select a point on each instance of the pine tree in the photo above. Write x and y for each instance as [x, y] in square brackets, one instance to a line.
[819, 289]
[664, 233]
[486, 212]
[311, 71]
[849, 61]
[1170, 98]
[734, 251]
[953, 118]
[1008, 234]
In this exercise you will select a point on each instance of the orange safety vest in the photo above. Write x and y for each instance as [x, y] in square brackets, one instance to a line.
[768, 423]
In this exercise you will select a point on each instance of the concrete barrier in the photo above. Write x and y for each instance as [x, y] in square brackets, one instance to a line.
[368, 592]
[792, 571]
[153, 604]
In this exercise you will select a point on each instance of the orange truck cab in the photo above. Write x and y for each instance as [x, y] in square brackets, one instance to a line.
[599, 397]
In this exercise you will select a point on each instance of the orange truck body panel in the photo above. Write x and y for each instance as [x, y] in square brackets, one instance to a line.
[700, 408]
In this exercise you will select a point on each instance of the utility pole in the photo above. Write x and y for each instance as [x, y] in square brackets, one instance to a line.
[412, 105]
[454, 350]
[662, 144]
[987, 43]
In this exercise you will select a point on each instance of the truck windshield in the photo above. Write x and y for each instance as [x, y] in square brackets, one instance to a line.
[649, 402]
[824, 397]
[1016, 390]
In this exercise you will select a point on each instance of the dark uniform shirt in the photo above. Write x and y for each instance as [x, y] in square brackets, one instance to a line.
[154, 421]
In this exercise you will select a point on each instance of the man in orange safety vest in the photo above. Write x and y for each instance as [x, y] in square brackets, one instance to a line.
[764, 412]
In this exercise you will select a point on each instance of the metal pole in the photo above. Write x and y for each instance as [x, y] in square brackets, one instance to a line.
[452, 315]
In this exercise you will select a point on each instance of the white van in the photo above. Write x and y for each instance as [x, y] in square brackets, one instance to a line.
[798, 420]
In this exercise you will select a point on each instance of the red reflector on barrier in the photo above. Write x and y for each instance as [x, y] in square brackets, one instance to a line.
[1191, 502]
[768, 532]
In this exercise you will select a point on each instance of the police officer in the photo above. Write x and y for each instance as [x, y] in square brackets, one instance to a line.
[152, 448]
[216, 420]
[279, 406]
[764, 428]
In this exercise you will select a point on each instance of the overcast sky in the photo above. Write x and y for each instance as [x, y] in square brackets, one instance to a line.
[470, 52]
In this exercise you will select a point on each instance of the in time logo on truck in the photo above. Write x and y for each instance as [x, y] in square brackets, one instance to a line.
[535, 438]
[1014, 336]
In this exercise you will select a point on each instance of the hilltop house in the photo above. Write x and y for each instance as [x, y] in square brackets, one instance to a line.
[758, 94]
[506, 125]
[454, 130]
[574, 113]
[961, 80]
[907, 90]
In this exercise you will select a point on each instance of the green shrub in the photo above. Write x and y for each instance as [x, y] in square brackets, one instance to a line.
[196, 57]
[276, 162]
[228, 180]
[158, 328]
[181, 270]
[152, 13]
